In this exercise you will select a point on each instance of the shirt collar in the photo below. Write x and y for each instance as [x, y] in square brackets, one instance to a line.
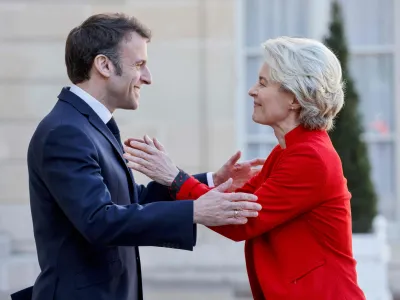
[98, 107]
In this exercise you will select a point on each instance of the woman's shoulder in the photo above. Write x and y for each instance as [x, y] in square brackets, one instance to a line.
[316, 141]
[305, 155]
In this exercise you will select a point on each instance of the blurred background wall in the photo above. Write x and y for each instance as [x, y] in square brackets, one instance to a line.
[204, 56]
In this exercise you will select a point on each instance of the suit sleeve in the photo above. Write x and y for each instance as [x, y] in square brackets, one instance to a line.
[294, 187]
[73, 175]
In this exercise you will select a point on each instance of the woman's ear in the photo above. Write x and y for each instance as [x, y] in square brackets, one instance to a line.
[294, 104]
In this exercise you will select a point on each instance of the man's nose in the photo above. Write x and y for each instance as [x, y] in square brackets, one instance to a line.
[146, 76]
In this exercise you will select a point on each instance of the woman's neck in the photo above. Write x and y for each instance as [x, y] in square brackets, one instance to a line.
[280, 130]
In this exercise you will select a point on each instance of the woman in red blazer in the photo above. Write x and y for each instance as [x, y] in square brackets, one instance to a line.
[300, 245]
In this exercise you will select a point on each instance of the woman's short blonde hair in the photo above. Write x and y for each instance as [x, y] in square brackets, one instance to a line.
[311, 71]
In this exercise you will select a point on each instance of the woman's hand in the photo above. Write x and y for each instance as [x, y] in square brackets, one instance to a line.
[239, 172]
[149, 157]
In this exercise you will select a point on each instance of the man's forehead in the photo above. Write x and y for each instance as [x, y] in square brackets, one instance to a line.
[136, 46]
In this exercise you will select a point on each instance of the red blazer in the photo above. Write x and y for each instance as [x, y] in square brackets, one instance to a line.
[300, 245]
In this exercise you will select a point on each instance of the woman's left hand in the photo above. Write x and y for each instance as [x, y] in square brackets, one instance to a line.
[240, 172]
[149, 157]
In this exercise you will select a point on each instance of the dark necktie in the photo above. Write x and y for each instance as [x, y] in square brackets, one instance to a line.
[112, 125]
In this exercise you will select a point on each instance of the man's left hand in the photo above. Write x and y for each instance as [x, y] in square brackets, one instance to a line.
[239, 172]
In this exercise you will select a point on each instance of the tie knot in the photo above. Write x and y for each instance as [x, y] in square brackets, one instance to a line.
[112, 125]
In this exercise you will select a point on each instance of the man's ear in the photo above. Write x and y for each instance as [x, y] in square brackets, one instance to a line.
[102, 65]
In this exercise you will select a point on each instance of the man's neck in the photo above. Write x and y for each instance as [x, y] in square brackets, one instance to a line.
[93, 90]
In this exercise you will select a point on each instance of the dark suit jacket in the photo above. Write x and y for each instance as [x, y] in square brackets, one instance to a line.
[89, 215]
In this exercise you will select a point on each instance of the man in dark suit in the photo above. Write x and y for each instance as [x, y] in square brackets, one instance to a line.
[89, 215]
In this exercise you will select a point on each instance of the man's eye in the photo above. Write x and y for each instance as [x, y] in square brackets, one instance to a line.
[138, 65]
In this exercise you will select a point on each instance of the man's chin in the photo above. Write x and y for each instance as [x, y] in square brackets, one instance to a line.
[134, 104]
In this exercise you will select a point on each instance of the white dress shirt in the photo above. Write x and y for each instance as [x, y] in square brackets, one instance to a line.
[98, 107]
[105, 115]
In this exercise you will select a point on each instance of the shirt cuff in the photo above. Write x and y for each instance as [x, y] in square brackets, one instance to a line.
[210, 180]
[177, 183]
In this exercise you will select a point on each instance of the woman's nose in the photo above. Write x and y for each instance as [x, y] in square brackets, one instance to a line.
[252, 91]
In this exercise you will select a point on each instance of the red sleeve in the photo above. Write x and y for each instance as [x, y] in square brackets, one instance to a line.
[294, 187]
[193, 189]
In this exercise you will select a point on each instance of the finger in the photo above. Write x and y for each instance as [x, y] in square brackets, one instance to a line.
[234, 158]
[241, 197]
[128, 141]
[246, 214]
[148, 140]
[246, 206]
[257, 162]
[143, 147]
[137, 153]
[158, 145]
[236, 221]
[139, 168]
[224, 186]
[137, 160]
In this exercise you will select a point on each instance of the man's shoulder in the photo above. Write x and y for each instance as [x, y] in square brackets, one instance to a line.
[62, 118]
[62, 114]
[65, 113]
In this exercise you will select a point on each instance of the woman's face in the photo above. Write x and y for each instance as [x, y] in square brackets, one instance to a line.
[272, 104]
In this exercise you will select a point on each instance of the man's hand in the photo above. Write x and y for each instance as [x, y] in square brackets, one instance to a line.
[239, 172]
[150, 158]
[217, 208]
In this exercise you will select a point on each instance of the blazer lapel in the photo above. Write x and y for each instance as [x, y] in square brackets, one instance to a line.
[95, 120]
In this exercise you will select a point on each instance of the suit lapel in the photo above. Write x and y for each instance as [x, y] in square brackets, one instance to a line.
[95, 120]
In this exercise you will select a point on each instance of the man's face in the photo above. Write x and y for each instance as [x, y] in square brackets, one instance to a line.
[124, 89]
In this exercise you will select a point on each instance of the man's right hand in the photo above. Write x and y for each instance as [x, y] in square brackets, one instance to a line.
[217, 208]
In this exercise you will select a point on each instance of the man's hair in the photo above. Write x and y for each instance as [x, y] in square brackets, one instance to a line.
[99, 34]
